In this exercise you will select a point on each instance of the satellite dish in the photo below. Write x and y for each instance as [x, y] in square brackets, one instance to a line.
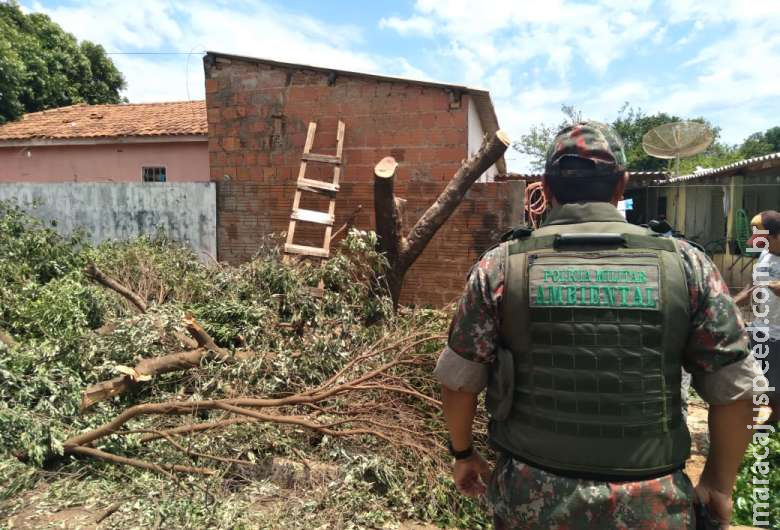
[677, 140]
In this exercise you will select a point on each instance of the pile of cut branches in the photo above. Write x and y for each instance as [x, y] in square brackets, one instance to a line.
[183, 384]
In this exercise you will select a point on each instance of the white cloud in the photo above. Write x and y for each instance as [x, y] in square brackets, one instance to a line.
[532, 56]
[500, 83]
[242, 28]
[411, 25]
[555, 31]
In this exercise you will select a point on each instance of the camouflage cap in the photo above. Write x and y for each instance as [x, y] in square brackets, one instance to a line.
[590, 140]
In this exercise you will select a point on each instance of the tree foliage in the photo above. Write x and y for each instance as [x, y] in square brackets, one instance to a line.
[632, 124]
[70, 333]
[43, 66]
[536, 142]
[761, 143]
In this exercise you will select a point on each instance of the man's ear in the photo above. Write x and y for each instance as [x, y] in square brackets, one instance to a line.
[620, 187]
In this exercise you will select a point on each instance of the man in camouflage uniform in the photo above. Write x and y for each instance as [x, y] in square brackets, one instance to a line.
[527, 495]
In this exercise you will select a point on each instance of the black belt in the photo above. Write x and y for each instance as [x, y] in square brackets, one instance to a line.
[598, 477]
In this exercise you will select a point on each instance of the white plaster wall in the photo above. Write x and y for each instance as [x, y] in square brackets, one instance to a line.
[475, 140]
[187, 212]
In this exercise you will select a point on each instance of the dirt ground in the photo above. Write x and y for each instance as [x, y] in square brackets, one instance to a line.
[36, 513]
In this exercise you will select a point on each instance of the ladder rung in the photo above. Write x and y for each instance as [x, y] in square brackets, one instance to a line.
[319, 185]
[306, 250]
[314, 157]
[312, 216]
[329, 193]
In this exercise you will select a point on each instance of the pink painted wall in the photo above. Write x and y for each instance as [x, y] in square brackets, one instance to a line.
[184, 162]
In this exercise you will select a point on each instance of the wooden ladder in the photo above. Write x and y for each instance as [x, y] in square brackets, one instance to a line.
[316, 186]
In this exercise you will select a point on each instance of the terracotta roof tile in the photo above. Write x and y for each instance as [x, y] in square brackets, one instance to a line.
[109, 121]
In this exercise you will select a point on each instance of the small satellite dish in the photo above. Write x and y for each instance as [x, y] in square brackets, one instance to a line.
[677, 140]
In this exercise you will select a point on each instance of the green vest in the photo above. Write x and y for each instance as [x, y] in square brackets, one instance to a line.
[594, 320]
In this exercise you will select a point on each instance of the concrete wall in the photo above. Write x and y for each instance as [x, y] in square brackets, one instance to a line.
[258, 116]
[185, 211]
[184, 162]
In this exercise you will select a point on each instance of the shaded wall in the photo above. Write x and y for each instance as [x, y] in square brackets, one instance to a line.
[107, 211]
[250, 211]
[184, 162]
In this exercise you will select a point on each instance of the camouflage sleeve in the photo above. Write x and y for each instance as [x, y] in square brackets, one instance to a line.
[717, 349]
[463, 365]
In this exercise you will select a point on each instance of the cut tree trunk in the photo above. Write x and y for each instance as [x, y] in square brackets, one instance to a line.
[402, 251]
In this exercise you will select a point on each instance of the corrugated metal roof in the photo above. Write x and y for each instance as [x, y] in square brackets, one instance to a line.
[711, 172]
[531, 177]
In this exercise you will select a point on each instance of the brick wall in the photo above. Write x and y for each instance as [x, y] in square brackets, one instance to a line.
[258, 116]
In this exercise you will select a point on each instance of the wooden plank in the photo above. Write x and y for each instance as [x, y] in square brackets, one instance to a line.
[319, 184]
[307, 147]
[336, 177]
[315, 157]
[340, 139]
[312, 216]
[329, 229]
[306, 250]
[291, 227]
[320, 191]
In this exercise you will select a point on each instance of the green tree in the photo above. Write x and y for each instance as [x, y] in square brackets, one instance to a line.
[535, 143]
[632, 124]
[772, 137]
[761, 143]
[42, 66]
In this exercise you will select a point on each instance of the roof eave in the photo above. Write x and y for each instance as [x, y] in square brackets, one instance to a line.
[758, 162]
[327, 70]
[103, 140]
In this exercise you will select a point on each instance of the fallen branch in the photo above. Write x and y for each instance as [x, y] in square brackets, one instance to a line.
[204, 339]
[190, 452]
[365, 381]
[95, 274]
[143, 464]
[145, 370]
[194, 427]
[105, 514]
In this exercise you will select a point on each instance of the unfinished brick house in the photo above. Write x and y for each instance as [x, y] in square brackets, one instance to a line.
[258, 115]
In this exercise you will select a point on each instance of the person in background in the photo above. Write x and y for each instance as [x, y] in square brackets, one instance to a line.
[766, 307]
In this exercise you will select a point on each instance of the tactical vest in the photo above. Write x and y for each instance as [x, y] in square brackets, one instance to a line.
[594, 320]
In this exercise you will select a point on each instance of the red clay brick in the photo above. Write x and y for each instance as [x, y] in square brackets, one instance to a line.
[408, 121]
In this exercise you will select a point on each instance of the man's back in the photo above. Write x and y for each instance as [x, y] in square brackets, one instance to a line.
[579, 332]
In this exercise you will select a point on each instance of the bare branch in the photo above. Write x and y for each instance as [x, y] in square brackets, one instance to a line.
[100, 277]
[116, 459]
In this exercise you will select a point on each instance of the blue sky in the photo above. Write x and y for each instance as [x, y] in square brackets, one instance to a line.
[715, 58]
